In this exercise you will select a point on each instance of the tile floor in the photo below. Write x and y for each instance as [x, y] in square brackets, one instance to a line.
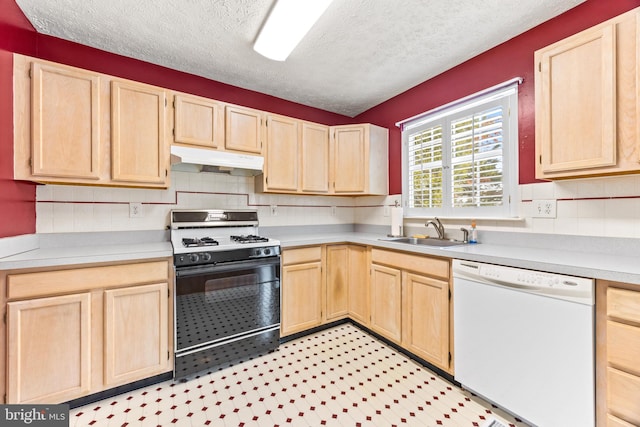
[338, 377]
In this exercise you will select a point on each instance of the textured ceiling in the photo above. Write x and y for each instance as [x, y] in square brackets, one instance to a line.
[360, 53]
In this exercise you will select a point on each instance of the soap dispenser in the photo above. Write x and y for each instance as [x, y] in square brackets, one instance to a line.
[474, 233]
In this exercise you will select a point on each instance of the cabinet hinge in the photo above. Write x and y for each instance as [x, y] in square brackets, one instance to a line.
[30, 162]
[266, 180]
[174, 132]
[29, 72]
[165, 102]
[168, 357]
[449, 294]
[540, 159]
[450, 357]
[4, 317]
[166, 172]
[539, 66]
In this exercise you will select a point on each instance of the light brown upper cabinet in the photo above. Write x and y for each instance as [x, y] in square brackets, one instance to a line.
[587, 103]
[282, 154]
[314, 164]
[198, 121]
[296, 157]
[57, 122]
[139, 153]
[75, 126]
[359, 159]
[243, 128]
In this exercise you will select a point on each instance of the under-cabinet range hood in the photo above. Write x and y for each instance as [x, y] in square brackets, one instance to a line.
[202, 160]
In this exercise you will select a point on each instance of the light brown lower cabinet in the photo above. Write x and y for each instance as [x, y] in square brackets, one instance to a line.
[347, 287]
[386, 302]
[136, 342]
[402, 296]
[301, 289]
[426, 302]
[49, 349]
[358, 273]
[410, 303]
[617, 354]
[76, 331]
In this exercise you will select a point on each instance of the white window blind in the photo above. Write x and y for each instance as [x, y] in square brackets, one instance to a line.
[462, 160]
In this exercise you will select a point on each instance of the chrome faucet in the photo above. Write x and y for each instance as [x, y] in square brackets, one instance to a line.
[438, 226]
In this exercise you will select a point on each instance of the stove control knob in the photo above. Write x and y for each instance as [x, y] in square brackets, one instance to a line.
[206, 257]
[267, 251]
[193, 257]
[257, 252]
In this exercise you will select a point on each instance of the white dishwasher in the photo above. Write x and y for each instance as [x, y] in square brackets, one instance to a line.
[524, 340]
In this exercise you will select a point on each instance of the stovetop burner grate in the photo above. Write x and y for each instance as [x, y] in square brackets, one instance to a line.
[194, 242]
[251, 238]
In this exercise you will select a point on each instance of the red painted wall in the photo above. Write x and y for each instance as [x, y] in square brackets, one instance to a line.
[510, 59]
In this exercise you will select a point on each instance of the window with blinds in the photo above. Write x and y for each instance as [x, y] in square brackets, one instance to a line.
[462, 160]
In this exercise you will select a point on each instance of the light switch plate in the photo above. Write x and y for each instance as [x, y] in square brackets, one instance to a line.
[544, 208]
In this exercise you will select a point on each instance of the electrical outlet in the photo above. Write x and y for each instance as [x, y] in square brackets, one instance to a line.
[544, 208]
[274, 210]
[136, 210]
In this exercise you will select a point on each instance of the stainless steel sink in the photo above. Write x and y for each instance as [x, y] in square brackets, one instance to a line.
[430, 241]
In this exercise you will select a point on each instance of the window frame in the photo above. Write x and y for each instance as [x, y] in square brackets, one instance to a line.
[505, 95]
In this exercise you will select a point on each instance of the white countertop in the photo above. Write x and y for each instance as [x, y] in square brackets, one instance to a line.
[621, 268]
[64, 250]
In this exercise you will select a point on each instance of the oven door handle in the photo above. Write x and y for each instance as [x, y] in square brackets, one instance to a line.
[226, 266]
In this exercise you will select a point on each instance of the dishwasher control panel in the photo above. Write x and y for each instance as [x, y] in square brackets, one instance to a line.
[562, 286]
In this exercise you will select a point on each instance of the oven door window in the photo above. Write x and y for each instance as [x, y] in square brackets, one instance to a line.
[216, 305]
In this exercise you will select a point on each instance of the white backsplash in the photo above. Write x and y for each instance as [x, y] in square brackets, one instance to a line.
[598, 207]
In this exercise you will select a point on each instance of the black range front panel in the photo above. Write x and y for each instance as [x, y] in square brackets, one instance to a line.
[225, 313]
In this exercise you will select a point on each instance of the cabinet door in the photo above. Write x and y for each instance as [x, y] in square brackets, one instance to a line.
[65, 120]
[301, 297]
[337, 281]
[49, 349]
[427, 329]
[136, 333]
[386, 302]
[243, 130]
[315, 158]
[139, 153]
[575, 108]
[282, 154]
[350, 159]
[359, 285]
[198, 121]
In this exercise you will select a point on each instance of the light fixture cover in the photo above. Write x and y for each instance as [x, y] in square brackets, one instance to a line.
[286, 25]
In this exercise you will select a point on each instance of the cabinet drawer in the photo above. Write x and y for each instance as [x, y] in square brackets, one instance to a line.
[623, 304]
[29, 285]
[623, 395]
[623, 346]
[297, 256]
[424, 264]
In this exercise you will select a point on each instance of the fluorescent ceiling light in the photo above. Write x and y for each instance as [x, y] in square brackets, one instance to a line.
[286, 25]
